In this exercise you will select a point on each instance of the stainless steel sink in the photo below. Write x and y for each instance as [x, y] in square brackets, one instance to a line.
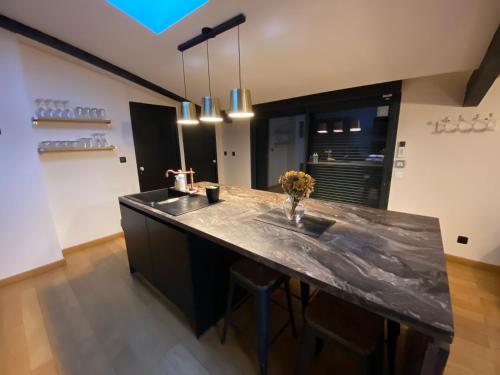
[157, 196]
[171, 201]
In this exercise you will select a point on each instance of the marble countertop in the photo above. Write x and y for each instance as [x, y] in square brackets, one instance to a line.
[388, 262]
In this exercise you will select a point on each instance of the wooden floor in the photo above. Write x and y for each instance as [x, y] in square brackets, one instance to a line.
[92, 317]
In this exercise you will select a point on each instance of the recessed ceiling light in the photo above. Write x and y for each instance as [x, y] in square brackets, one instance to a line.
[157, 15]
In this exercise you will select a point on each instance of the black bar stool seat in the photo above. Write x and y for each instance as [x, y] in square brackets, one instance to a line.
[260, 281]
[356, 330]
[255, 274]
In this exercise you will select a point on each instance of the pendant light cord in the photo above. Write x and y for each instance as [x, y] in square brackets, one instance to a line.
[239, 56]
[184, 75]
[208, 67]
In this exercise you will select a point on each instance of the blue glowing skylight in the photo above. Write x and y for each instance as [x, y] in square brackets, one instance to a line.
[157, 15]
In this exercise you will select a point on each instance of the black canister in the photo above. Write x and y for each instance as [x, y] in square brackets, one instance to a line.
[212, 193]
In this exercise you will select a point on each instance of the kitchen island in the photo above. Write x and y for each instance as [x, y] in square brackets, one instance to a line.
[387, 262]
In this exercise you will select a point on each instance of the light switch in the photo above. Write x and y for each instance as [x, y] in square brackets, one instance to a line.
[400, 164]
[401, 153]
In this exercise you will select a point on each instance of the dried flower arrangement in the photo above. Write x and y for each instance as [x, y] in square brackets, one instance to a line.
[297, 185]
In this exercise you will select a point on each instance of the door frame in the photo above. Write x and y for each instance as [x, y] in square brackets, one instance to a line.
[382, 94]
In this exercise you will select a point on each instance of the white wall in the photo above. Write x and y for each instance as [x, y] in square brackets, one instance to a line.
[453, 176]
[83, 187]
[74, 195]
[28, 236]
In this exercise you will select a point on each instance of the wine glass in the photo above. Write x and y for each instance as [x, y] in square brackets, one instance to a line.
[96, 140]
[94, 113]
[102, 113]
[58, 112]
[67, 113]
[104, 141]
[48, 111]
[78, 112]
[86, 113]
[39, 108]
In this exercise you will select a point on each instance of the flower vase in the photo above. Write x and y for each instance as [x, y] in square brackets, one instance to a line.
[294, 210]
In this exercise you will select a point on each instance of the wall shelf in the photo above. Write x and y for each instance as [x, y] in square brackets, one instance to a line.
[43, 120]
[75, 149]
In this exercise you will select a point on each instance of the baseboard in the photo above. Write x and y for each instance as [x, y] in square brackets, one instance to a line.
[97, 241]
[34, 272]
[473, 263]
[39, 270]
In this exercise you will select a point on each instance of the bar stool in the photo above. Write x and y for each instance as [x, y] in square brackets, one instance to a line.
[260, 281]
[358, 332]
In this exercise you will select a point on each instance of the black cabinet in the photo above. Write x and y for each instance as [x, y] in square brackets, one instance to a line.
[137, 241]
[171, 264]
[190, 271]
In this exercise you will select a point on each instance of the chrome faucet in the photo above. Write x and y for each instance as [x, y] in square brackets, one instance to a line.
[190, 172]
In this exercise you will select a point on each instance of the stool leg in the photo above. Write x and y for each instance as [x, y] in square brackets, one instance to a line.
[263, 330]
[304, 295]
[318, 347]
[229, 307]
[290, 307]
[306, 349]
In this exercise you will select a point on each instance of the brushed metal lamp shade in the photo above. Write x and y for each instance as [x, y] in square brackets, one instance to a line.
[322, 128]
[338, 127]
[210, 110]
[187, 114]
[355, 126]
[240, 104]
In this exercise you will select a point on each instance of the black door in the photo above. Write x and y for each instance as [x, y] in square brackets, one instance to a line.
[200, 151]
[156, 143]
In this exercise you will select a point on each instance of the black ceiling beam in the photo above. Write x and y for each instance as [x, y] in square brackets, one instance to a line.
[41, 37]
[482, 78]
[212, 32]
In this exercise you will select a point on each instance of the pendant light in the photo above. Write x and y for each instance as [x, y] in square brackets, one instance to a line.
[239, 98]
[338, 127]
[188, 110]
[355, 126]
[210, 109]
[322, 128]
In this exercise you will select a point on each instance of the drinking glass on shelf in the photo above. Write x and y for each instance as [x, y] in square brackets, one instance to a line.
[67, 113]
[96, 140]
[42, 146]
[101, 113]
[58, 112]
[94, 113]
[104, 141]
[86, 113]
[39, 108]
[48, 111]
[78, 112]
[75, 144]
[85, 142]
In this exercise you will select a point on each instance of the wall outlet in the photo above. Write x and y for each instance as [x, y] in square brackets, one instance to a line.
[123, 159]
[463, 240]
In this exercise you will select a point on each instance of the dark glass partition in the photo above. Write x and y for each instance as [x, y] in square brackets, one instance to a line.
[345, 139]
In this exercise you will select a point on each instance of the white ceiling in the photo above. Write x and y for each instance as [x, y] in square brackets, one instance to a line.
[289, 47]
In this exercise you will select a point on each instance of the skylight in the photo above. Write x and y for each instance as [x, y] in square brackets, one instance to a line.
[157, 15]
